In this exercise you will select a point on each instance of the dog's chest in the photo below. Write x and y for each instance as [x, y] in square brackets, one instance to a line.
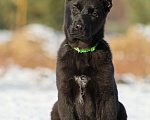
[82, 82]
[83, 64]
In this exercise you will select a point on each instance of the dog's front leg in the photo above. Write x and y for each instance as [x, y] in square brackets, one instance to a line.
[65, 95]
[109, 109]
[106, 107]
[65, 105]
[106, 103]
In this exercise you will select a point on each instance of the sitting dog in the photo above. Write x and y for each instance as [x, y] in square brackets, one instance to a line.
[84, 70]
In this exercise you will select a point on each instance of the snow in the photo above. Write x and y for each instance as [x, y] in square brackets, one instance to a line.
[26, 94]
[29, 94]
[144, 30]
[52, 39]
[5, 36]
[135, 98]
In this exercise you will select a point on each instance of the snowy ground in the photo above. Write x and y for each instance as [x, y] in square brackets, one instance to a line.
[29, 94]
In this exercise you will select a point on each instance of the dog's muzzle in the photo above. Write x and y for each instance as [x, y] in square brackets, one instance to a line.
[79, 27]
[79, 31]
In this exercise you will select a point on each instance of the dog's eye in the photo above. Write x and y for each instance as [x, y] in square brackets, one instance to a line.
[75, 10]
[95, 14]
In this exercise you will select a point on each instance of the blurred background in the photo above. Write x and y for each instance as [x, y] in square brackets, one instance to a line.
[30, 35]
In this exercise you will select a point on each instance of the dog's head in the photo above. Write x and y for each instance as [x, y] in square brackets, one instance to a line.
[85, 18]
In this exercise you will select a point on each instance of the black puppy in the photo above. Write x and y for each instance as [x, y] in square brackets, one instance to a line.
[85, 72]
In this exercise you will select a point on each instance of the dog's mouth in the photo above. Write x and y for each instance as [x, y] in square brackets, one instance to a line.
[79, 35]
[76, 39]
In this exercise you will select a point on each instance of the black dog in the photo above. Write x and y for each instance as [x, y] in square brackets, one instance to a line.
[85, 72]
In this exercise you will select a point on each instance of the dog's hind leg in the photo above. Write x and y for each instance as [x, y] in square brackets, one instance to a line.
[122, 115]
[54, 113]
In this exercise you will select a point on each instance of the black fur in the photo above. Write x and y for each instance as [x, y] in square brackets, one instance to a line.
[97, 99]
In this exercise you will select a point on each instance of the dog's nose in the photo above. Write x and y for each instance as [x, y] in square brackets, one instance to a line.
[79, 27]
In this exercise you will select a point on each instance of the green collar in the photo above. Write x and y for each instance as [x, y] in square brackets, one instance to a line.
[84, 50]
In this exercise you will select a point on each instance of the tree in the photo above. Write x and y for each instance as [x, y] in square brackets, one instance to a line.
[21, 13]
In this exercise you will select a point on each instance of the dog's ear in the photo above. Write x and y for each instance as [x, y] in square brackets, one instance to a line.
[107, 5]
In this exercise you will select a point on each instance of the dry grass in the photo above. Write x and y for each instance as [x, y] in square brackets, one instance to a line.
[131, 53]
[24, 52]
